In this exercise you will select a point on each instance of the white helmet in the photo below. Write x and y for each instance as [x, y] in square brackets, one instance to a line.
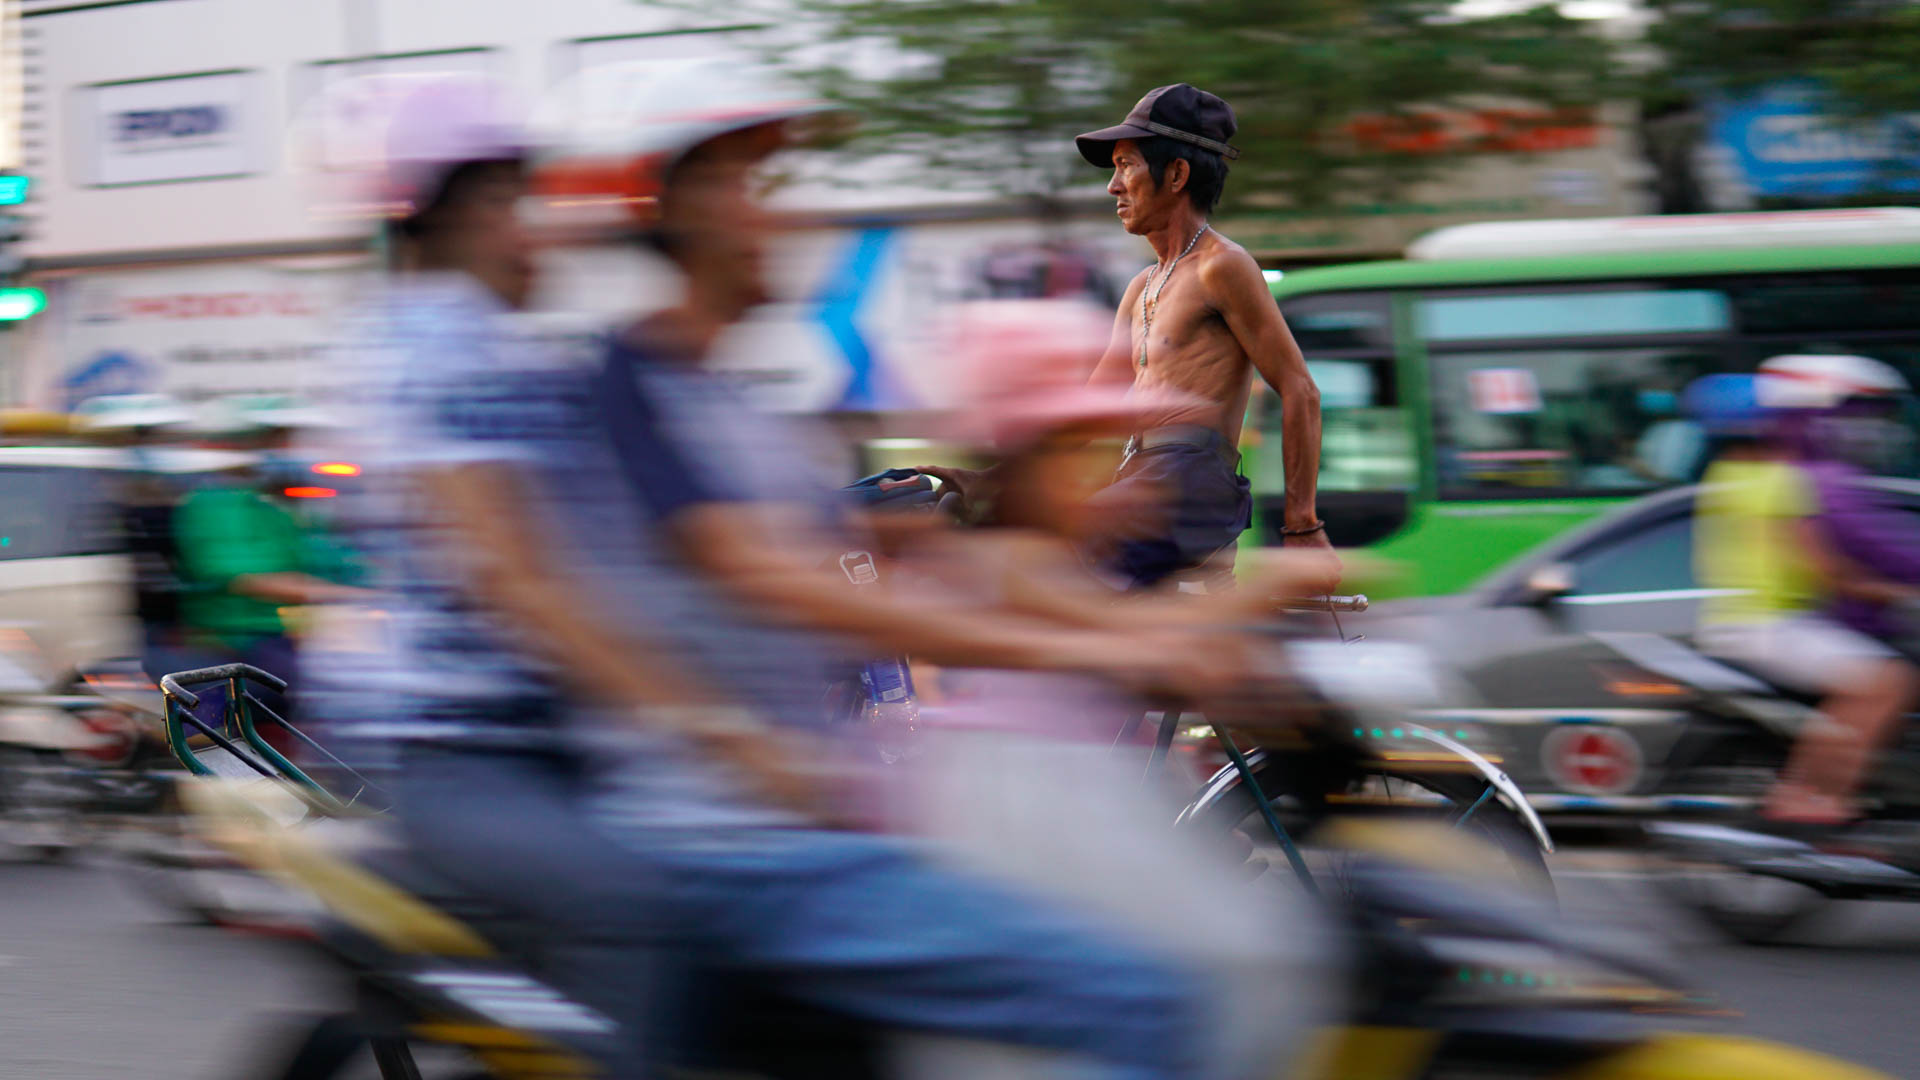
[381, 145]
[615, 129]
[1815, 381]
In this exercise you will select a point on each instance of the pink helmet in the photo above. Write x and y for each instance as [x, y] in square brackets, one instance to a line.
[1023, 368]
[381, 145]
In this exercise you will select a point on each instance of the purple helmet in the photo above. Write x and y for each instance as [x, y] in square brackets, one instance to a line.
[382, 145]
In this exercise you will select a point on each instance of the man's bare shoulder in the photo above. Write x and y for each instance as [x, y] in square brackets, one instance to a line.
[1224, 262]
[1139, 282]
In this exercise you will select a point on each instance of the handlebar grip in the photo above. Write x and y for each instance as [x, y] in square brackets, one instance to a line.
[174, 690]
[174, 685]
[1309, 604]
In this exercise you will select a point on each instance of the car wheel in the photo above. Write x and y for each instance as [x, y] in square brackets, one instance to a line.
[1750, 908]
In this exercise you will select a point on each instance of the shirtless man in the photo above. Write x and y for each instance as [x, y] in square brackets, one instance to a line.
[1199, 321]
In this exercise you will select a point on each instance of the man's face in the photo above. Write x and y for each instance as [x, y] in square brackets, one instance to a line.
[1141, 204]
[720, 229]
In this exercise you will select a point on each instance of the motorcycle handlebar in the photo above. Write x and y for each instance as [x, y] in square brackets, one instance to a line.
[175, 685]
[1310, 604]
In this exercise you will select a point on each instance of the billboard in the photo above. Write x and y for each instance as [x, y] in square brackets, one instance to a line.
[195, 332]
[1786, 141]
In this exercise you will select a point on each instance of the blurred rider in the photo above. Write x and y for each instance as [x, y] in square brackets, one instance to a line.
[1027, 405]
[586, 573]
[748, 530]
[246, 560]
[1762, 544]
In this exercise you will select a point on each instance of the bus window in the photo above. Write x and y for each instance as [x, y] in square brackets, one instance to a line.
[1334, 322]
[48, 513]
[1586, 313]
[1831, 302]
[1566, 420]
[33, 526]
[1368, 460]
[1366, 442]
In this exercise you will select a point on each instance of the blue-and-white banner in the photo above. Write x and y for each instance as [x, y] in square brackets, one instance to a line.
[1786, 140]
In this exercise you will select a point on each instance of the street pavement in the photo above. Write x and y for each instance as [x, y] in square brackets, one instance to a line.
[97, 984]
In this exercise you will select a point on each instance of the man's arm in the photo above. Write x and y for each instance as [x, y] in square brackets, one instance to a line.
[762, 555]
[1116, 364]
[1238, 291]
[245, 545]
[295, 587]
[508, 570]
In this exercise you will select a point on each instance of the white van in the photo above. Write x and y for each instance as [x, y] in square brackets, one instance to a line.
[66, 583]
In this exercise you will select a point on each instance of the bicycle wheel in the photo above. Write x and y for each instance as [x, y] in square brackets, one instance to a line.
[1304, 807]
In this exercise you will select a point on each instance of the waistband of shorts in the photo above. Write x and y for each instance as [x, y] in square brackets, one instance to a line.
[1199, 436]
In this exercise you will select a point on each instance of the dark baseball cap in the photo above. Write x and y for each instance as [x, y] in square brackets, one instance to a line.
[1177, 112]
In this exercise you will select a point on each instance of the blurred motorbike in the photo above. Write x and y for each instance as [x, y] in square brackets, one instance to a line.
[1447, 977]
[1748, 880]
[72, 754]
[1754, 883]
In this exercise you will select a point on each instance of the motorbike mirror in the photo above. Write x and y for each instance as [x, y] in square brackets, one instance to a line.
[1549, 583]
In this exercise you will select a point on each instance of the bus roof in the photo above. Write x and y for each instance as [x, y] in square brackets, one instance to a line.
[1671, 232]
[1409, 273]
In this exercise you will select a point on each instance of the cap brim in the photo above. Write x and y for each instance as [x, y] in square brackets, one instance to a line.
[1097, 146]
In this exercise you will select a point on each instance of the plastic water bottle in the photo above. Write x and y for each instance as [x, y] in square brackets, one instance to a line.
[892, 711]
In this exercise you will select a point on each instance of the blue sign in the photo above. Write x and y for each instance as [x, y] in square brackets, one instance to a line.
[107, 373]
[1785, 142]
[182, 122]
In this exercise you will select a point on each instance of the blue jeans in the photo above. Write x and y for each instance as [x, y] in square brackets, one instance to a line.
[848, 922]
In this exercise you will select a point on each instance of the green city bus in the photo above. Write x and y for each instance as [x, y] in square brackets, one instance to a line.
[1507, 381]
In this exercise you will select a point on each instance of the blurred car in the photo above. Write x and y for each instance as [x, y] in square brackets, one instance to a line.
[1578, 655]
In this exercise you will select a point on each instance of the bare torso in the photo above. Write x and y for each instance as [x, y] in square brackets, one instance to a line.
[1190, 348]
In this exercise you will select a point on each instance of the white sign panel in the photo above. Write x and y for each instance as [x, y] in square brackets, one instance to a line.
[188, 128]
[194, 332]
[338, 103]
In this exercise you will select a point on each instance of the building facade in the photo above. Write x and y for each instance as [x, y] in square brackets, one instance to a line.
[175, 148]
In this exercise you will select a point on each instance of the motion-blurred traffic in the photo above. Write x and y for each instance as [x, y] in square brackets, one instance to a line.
[879, 543]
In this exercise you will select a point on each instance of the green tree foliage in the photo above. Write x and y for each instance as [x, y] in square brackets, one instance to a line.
[1860, 52]
[990, 92]
[1854, 58]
